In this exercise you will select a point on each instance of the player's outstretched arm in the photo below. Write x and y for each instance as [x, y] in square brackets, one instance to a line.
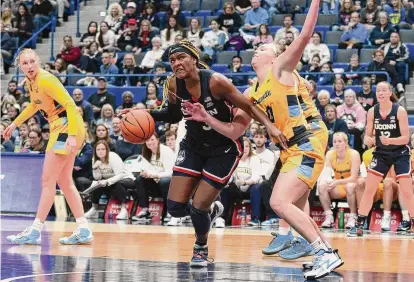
[25, 115]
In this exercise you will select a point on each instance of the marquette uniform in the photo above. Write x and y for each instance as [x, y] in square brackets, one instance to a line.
[281, 104]
[341, 169]
[385, 156]
[48, 96]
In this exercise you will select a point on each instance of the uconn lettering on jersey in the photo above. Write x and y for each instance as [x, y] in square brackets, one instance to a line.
[385, 126]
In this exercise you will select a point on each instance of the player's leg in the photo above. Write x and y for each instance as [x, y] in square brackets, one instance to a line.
[52, 167]
[360, 187]
[326, 195]
[387, 198]
[352, 203]
[405, 223]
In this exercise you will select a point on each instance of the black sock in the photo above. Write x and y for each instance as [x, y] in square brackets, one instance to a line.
[201, 222]
[361, 220]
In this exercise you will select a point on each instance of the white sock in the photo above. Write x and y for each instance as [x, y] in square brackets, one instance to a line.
[319, 245]
[123, 206]
[95, 206]
[283, 230]
[82, 222]
[38, 224]
[405, 215]
[387, 213]
[353, 215]
[328, 214]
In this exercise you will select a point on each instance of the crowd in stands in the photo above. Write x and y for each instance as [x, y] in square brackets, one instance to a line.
[342, 62]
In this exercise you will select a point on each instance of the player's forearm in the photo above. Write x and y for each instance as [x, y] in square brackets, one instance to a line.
[72, 115]
[25, 115]
[259, 116]
[402, 140]
[229, 129]
[166, 115]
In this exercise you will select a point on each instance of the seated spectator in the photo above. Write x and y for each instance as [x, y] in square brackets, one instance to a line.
[36, 144]
[59, 70]
[175, 11]
[254, 18]
[102, 134]
[214, 40]
[13, 111]
[243, 184]
[42, 11]
[314, 91]
[242, 6]
[366, 97]
[236, 67]
[251, 130]
[13, 91]
[229, 20]
[108, 68]
[108, 169]
[69, 53]
[154, 55]
[396, 13]
[89, 137]
[82, 170]
[345, 163]
[151, 100]
[328, 78]
[150, 14]
[7, 17]
[129, 67]
[382, 32]
[379, 64]
[347, 8]
[6, 102]
[123, 148]
[313, 66]
[337, 95]
[7, 43]
[101, 97]
[355, 117]
[89, 80]
[106, 38]
[369, 14]
[333, 124]
[107, 114]
[263, 36]
[177, 39]
[160, 69]
[24, 137]
[90, 62]
[353, 78]
[127, 101]
[23, 24]
[131, 13]
[157, 178]
[170, 140]
[317, 47]
[195, 33]
[170, 32]
[410, 13]
[114, 17]
[128, 39]
[355, 34]
[145, 36]
[397, 55]
[287, 26]
[322, 101]
[90, 35]
[267, 157]
[6, 145]
[329, 7]
[116, 129]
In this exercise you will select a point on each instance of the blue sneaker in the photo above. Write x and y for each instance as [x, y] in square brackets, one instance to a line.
[271, 222]
[254, 222]
[78, 237]
[355, 232]
[299, 248]
[278, 243]
[29, 236]
[200, 256]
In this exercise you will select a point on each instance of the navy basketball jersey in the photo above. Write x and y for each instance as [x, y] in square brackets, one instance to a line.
[201, 132]
[388, 126]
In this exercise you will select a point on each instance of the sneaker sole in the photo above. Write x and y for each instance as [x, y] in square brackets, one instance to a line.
[334, 266]
[37, 242]
[275, 251]
[296, 256]
[87, 241]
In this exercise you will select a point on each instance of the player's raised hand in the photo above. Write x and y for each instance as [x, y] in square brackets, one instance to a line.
[195, 112]
[8, 131]
[276, 134]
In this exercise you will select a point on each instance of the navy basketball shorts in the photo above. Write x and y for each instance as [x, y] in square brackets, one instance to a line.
[213, 164]
[383, 160]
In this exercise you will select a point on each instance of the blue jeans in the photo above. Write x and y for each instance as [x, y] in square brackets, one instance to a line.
[211, 51]
[39, 21]
[400, 68]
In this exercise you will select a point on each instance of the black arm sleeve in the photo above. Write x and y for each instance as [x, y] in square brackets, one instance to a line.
[171, 114]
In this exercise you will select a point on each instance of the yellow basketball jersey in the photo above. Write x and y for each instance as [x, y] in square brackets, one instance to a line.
[307, 104]
[280, 103]
[341, 169]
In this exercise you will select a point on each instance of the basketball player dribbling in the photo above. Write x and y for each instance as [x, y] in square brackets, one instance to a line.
[388, 121]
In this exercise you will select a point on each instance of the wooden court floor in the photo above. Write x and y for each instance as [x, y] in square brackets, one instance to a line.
[125, 252]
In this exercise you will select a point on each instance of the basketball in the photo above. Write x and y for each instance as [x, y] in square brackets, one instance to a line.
[137, 126]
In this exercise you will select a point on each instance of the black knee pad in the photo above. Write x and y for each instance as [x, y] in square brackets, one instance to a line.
[176, 209]
[201, 220]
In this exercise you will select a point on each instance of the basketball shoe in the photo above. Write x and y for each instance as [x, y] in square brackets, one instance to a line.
[404, 226]
[386, 223]
[278, 243]
[309, 264]
[323, 264]
[30, 236]
[215, 211]
[174, 221]
[356, 231]
[200, 256]
[299, 248]
[270, 222]
[143, 215]
[79, 236]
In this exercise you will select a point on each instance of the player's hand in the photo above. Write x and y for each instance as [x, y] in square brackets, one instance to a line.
[332, 185]
[8, 131]
[71, 143]
[275, 133]
[385, 140]
[369, 141]
[195, 112]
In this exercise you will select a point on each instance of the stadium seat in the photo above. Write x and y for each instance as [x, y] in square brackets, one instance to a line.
[407, 36]
[333, 37]
[277, 19]
[203, 13]
[246, 56]
[410, 47]
[366, 55]
[273, 29]
[210, 5]
[327, 20]
[219, 67]
[190, 5]
[343, 55]
[225, 57]
[139, 58]
[219, 12]
[187, 13]
[300, 19]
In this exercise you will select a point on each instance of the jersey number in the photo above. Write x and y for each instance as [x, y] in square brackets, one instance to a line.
[386, 133]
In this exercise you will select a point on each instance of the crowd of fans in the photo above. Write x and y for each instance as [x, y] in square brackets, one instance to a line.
[134, 30]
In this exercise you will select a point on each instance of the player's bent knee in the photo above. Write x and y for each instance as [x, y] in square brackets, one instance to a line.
[350, 188]
[176, 209]
[278, 206]
[322, 187]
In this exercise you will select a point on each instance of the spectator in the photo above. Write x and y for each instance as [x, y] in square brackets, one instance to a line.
[289, 37]
[177, 39]
[314, 91]
[397, 55]
[7, 43]
[328, 78]
[170, 140]
[145, 35]
[106, 38]
[89, 80]
[382, 32]
[108, 68]
[154, 55]
[322, 101]
[114, 17]
[313, 67]
[353, 78]
[242, 6]
[160, 69]
[410, 13]
[128, 40]
[170, 32]
[12, 90]
[6, 145]
[243, 184]
[157, 178]
[369, 14]
[23, 24]
[114, 180]
[150, 14]
[379, 64]
[236, 67]
[287, 26]
[36, 144]
[77, 95]
[127, 101]
[24, 136]
[90, 35]
[333, 124]
[11, 4]
[102, 134]
[329, 7]
[123, 148]
[7, 17]
[151, 98]
[396, 13]
[355, 117]
[267, 157]
[214, 40]
[355, 34]
[195, 33]
[337, 95]
[129, 67]
[252, 130]
[229, 20]
[89, 137]
[101, 97]
[366, 97]
[254, 18]
[83, 167]
[263, 36]
[59, 70]
[116, 129]
[347, 8]
[175, 11]
[46, 133]
[107, 114]
[317, 47]
[42, 11]
[131, 13]
[69, 53]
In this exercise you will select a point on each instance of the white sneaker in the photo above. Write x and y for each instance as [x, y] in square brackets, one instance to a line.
[220, 222]
[92, 213]
[386, 224]
[123, 214]
[174, 221]
[351, 222]
[167, 218]
[328, 222]
[186, 219]
[325, 262]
